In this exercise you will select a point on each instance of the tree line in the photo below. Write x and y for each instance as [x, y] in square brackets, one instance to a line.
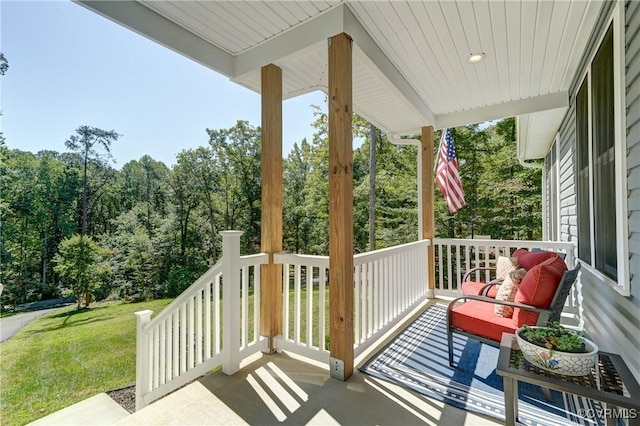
[74, 225]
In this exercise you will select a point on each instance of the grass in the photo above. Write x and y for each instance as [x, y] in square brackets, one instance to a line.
[66, 356]
[303, 315]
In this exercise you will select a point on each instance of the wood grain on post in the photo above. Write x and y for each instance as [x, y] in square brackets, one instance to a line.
[428, 221]
[341, 206]
[271, 220]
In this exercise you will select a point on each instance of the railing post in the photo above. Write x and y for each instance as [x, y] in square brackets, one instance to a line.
[230, 301]
[142, 357]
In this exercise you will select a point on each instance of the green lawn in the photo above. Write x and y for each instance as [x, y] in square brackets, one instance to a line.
[66, 356]
[303, 315]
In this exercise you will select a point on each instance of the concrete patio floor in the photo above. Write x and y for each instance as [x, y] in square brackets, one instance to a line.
[285, 389]
[279, 389]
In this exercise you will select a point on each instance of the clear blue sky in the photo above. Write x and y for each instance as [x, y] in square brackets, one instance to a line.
[70, 67]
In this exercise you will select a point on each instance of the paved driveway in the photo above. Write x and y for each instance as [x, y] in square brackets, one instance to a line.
[11, 325]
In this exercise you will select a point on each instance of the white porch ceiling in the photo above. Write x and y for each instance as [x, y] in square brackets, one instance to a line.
[410, 57]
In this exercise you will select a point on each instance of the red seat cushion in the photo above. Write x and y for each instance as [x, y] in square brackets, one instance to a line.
[537, 289]
[474, 288]
[529, 259]
[480, 318]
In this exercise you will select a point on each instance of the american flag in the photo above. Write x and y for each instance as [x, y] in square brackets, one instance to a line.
[447, 175]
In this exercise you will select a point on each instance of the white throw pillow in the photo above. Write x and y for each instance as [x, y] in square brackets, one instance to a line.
[507, 292]
[504, 265]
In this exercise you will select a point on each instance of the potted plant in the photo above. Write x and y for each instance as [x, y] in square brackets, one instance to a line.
[558, 349]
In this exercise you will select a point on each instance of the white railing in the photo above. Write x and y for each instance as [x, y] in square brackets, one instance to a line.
[387, 283]
[454, 257]
[186, 339]
[304, 305]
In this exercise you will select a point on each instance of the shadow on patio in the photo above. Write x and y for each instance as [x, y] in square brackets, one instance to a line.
[280, 389]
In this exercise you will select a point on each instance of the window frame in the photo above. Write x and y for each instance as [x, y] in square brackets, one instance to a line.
[622, 284]
[553, 228]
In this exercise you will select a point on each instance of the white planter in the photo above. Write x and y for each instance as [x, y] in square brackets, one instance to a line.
[568, 363]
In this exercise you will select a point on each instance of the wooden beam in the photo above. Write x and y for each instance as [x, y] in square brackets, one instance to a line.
[340, 207]
[271, 221]
[427, 214]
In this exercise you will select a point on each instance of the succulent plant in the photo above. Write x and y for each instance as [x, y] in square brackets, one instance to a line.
[555, 337]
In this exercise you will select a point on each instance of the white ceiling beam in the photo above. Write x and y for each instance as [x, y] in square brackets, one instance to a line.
[149, 24]
[336, 20]
[384, 68]
[507, 109]
[295, 42]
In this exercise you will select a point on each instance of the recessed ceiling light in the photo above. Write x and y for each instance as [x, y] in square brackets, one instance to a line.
[474, 58]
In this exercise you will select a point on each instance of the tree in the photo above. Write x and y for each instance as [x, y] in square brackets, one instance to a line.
[203, 166]
[316, 191]
[56, 189]
[296, 169]
[4, 64]
[81, 262]
[237, 152]
[88, 143]
[396, 209]
[143, 181]
[515, 193]
[185, 201]
[135, 263]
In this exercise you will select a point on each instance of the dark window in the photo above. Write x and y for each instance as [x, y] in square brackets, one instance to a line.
[596, 170]
[604, 165]
[582, 165]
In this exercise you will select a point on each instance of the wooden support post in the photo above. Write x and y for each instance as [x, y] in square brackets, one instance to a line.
[271, 221]
[340, 207]
[427, 214]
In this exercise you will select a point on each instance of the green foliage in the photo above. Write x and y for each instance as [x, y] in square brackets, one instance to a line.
[161, 225]
[238, 155]
[297, 223]
[503, 199]
[67, 356]
[93, 146]
[555, 337]
[81, 264]
[179, 280]
[4, 64]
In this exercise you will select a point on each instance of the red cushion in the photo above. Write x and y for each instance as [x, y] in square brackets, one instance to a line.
[474, 288]
[529, 259]
[537, 289]
[479, 318]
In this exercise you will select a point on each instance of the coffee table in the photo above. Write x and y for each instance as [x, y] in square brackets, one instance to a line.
[612, 384]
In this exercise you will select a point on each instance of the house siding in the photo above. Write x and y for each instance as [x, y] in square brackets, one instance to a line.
[611, 320]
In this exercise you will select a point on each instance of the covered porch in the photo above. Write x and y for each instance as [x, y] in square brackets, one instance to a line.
[283, 389]
[405, 67]
[215, 324]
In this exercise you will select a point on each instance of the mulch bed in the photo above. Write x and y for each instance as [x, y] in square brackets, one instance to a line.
[126, 397]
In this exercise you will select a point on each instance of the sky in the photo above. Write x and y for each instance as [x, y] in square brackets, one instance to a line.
[70, 67]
